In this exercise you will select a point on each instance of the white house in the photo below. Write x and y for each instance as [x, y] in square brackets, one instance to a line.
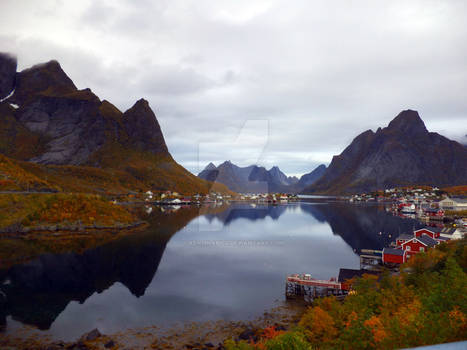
[453, 204]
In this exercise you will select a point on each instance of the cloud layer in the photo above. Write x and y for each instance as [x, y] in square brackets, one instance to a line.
[316, 73]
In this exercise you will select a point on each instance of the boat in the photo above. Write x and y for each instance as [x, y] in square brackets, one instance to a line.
[408, 209]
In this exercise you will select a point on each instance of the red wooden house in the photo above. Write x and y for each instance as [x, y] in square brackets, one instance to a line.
[394, 256]
[403, 238]
[418, 244]
[433, 232]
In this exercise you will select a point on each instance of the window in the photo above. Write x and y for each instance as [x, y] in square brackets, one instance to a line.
[422, 249]
[407, 247]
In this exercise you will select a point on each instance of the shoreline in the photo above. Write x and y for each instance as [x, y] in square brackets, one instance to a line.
[190, 334]
[58, 229]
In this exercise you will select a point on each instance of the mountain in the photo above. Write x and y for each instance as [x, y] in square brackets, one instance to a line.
[293, 180]
[257, 179]
[311, 177]
[48, 121]
[7, 74]
[278, 176]
[403, 153]
[252, 178]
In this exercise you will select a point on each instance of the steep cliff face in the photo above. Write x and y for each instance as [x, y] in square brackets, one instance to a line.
[403, 153]
[75, 122]
[7, 74]
[47, 120]
[143, 128]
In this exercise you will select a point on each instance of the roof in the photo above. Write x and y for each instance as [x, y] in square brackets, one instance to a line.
[455, 200]
[448, 231]
[427, 240]
[405, 236]
[430, 228]
[433, 210]
[393, 251]
[346, 274]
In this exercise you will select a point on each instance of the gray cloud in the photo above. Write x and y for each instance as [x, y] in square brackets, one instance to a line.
[319, 72]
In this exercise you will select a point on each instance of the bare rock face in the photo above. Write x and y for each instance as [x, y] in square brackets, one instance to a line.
[143, 129]
[74, 124]
[46, 79]
[403, 153]
[7, 74]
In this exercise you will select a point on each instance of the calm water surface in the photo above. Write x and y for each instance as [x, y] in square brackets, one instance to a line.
[191, 265]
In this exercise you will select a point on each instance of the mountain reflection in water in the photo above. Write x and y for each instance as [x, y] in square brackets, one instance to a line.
[39, 291]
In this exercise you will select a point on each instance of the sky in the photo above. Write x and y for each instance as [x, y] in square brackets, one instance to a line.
[287, 83]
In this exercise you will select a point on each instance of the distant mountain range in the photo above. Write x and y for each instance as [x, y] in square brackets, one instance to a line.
[256, 179]
[45, 120]
[403, 153]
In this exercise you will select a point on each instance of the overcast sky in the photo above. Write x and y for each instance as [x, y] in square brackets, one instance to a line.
[287, 83]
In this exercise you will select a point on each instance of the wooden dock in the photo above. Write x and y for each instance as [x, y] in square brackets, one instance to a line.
[303, 286]
[370, 257]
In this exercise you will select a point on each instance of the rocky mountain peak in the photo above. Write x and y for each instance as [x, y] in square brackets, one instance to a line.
[45, 78]
[210, 166]
[227, 163]
[8, 65]
[402, 153]
[408, 122]
[143, 128]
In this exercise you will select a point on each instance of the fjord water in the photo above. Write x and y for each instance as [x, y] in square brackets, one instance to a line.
[192, 264]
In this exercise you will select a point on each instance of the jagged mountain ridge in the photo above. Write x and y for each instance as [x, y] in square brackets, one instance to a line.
[75, 122]
[257, 179]
[47, 120]
[403, 153]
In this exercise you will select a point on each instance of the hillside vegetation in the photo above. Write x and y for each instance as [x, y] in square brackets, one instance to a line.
[15, 178]
[18, 212]
[425, 304]
[138, 174]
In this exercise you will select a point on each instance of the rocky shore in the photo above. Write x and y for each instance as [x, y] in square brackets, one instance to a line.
[65, 228]
[194, 335]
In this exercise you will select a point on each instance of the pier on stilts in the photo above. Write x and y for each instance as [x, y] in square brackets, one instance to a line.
[303, 286]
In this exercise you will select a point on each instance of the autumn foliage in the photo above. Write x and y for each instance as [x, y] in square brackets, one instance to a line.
[63, 209]
[424, 304]
[15, 178]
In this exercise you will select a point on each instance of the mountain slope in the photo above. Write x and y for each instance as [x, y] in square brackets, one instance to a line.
[229, 174]
[403, 153]
[311, 177]
[48, 121]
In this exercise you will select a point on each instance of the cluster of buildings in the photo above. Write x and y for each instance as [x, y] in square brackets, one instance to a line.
[432, 210]
[409, 244]
[267, 197]
[174, 198]
[395, 194]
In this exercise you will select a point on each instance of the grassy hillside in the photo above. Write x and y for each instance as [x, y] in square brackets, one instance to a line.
[14, 178]
[138, 173]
